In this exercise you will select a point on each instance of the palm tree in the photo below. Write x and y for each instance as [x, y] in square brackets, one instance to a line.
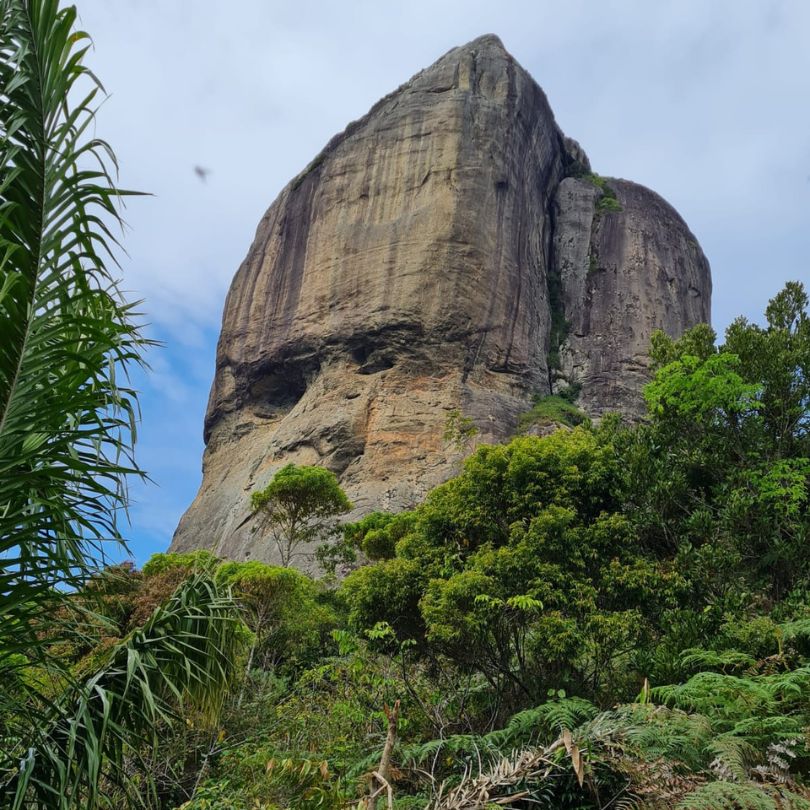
[67, 430]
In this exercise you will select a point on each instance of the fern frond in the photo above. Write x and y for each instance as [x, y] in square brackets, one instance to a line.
[800, 628]
[734, 757]
[498, 784]
[749, 796]
[542, 722]
[728, 796]
[697, 658]
[650, 732]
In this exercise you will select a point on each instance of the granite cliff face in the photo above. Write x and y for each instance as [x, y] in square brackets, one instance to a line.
[626, 265]
[450, 250]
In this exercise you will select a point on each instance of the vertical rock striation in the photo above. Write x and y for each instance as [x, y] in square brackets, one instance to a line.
[416, 266]
[626, 265]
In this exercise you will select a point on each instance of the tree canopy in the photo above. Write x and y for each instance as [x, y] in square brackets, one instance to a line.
[298, 507]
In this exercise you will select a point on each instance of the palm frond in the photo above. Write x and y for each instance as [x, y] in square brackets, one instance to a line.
[67, 337]
[184, 656]
[67, 415]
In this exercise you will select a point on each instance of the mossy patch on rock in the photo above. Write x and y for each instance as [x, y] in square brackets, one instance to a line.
[552, 409]
[607, 202]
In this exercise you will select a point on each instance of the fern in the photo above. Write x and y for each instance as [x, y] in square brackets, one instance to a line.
[728, 796]
[460, 746]
[794, 684]
[779, 758]
[765, 729]
[732, 698]
[542, 722]
[800, 628]
[733, 757]
[750, 796]
[714, 694]
[649, 732]
[729, 729]
[696, 658]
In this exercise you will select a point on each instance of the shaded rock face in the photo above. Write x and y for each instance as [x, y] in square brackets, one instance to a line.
[415, 267]
[626, 264]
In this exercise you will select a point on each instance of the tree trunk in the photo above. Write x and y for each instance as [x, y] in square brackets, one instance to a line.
[382, 776]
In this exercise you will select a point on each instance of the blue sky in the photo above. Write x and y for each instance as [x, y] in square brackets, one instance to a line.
[707, 103]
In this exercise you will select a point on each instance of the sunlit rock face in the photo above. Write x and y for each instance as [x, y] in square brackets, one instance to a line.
[418, 266]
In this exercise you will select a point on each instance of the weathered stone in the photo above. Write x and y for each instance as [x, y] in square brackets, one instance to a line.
[409, 271]
[627, 265]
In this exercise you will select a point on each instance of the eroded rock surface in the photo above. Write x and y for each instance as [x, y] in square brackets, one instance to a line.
[414, 268]
[627, 265]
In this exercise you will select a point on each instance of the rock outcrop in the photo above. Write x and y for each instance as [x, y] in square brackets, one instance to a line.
[626, 264]
[439, 254]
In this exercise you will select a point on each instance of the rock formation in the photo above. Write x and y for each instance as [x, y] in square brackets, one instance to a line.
[450, 250]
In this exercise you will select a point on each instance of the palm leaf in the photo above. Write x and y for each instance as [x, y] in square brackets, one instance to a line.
[67, 338]
[183, 657]
[66, 335]
[67, 416]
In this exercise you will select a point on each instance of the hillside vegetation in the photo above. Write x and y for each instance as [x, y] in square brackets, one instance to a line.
[607, 616]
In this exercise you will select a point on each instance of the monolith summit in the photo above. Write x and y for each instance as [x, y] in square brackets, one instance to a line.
[450, 250]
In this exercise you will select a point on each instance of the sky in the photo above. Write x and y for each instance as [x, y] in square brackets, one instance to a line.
[706, 103]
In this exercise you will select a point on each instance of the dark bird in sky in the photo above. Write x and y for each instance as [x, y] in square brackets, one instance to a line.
[202, 173]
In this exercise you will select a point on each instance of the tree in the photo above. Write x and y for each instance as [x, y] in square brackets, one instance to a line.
[523, 570]
[282, 608]
[776, 357]
[299, 506]
[67, 418]
[725, 460]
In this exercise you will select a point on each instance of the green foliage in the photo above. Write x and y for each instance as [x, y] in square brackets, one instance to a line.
[570, 393]
[67, 429]
[586, 560]
[723, 466]
[298, 507]
[459, 431]
[699, 341]
[225, 794]
[378, 533]
[537, 726]
[284, 610]
[555, 409]
[314, 164]
[67, 336]
[693, 391]
[182, 658]
[734, 796]
[390, 592]
[558, 576]
[776, 358]
[200, 560]
[607, 202]
[518, 570]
